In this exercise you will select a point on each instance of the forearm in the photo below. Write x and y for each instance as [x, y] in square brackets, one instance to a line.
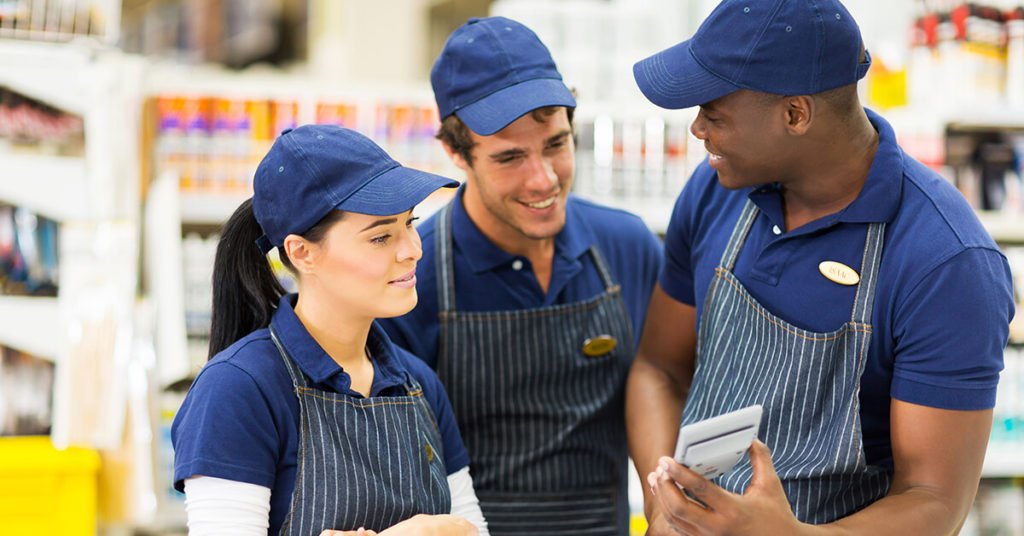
[654, 404]
[912, 511]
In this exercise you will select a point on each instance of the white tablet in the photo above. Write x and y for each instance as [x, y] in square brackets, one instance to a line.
[713, 446]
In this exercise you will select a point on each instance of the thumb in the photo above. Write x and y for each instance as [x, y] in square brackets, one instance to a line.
[764, 470]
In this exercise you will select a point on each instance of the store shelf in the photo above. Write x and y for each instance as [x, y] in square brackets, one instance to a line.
[1002, 119]
[31, 181]
[30, 325]
[48, 72]
[1003, 460]
[209, 209]
[1005, 228]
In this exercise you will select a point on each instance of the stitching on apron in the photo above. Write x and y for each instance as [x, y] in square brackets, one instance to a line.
[854, 326]
[306, 391]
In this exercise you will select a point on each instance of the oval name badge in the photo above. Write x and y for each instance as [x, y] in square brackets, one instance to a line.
[839, 273]
[599, 346]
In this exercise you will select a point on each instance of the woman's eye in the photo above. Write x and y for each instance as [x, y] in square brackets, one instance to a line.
[381, 240]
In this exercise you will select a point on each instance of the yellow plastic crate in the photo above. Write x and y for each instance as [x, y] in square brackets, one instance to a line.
[46, 491]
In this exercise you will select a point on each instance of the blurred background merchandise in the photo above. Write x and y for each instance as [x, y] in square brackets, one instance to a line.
[129, 131]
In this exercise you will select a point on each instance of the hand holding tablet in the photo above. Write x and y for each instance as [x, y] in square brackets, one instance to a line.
[713, 446]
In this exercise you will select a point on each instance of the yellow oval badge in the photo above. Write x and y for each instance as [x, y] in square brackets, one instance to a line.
[599, 346]
[839, 273]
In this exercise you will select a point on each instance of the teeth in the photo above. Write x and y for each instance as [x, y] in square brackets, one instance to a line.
[714, 156]
[543, 204]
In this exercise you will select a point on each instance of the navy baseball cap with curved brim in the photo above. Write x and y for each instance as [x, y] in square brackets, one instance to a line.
[314, 169]
[493, 71]
[783, 47]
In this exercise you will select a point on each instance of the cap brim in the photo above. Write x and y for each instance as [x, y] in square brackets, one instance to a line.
[674, 79]
[394, 192]
[497, 110]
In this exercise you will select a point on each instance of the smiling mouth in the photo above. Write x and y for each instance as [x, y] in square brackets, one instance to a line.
[543, 204]
[405, 278]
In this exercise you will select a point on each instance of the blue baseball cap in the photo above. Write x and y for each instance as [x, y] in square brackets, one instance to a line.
[783, 47]
[314, 169]
[493, 71]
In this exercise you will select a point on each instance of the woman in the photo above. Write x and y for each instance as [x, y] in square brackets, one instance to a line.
[307, 418]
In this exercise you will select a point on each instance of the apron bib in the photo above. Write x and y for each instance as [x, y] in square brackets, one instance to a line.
[807, 382]
[542, 421]
[363, 462]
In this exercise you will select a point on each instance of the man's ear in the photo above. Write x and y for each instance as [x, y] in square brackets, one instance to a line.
[456, 157]
[301, 252]
[799, 112]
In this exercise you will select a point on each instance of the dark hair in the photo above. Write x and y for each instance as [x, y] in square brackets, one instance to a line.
[245, 290]
[455, 134]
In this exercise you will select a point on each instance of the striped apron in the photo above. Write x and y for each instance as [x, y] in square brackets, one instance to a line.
[363, 462]
[807, 382]
[543, 423]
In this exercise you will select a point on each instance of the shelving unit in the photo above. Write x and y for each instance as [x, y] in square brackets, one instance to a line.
[93, 198]
[1003, 461]
[33, 179]
[208, 209]
[1004, 228]
[31, 325]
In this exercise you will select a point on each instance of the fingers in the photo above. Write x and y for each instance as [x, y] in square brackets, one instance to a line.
[358, 532]
[673, 513]
[763, 469]
[697, 486]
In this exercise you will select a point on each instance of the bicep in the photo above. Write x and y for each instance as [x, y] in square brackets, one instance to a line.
[939, 451]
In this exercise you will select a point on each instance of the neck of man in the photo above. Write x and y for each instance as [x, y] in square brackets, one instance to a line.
[539, 251]
[343, 336]
[833, 166]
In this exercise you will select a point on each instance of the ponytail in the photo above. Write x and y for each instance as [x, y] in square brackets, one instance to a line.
[245, 290]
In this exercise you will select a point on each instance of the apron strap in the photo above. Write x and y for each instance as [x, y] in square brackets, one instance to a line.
[298, 377]
[602, 268]
[862, 304]
[445, 260]
[739, 235]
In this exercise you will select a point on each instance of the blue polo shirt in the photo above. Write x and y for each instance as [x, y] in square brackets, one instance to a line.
[943, 299]
[240, 420]
[488, 278]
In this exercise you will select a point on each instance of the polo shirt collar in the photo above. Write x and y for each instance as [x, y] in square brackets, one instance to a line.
[483, 255]
[879, 198]
[315, 363]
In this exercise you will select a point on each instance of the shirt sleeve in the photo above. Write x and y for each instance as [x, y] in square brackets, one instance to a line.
[465, 503]
[455, 455]
[652, 253]
[215, 507]
[950, 333]
[676, 276]
[225, 429]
